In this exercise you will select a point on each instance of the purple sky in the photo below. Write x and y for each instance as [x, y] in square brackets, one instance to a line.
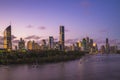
[40, 19]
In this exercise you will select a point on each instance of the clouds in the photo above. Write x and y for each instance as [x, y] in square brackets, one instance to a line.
[66, 30]
[15, 41]
[85, 4]
[103, 31]
[71, 41]
[29, 26]
[13, 37]
[39, 28]
[33, 37]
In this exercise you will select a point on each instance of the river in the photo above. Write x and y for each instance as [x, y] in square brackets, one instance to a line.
[89, 67]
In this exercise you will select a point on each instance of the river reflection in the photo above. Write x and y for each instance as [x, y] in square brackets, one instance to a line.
[90, 67]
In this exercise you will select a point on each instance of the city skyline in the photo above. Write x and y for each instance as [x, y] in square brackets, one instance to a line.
[39, 19]
[86, 44]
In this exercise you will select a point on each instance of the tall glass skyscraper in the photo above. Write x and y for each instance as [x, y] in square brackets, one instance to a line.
[7, 38]
[29, 45]
[21, 44]
[107, 46]
[51, 42]
[84, 42]
[62, 38]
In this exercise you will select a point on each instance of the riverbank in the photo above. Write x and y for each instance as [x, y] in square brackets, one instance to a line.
[33, 57]
[90, 67]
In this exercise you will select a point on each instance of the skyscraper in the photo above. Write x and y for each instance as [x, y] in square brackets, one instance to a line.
[91, 46]
[21, 44]
[29, 45]
[91, 43]
[62, 38]
[36, 46]
[95, 48]
[78, 45]
[102, 49]
[87, 44]
[51, 42]
[32, 45]
[43, 45]
[7, 38]
[107, 46]
[84, 42]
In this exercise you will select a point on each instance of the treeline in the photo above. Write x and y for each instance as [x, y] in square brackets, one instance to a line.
[36, 57]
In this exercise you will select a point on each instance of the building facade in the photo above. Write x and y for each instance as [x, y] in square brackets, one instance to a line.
[107, 46]
[84, 47]
[51, 42]
[21, 44]
[44, 45]
[62, 38]
[7, 38]
[29, 45]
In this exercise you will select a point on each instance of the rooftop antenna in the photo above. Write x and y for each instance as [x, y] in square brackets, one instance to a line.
[10, 22]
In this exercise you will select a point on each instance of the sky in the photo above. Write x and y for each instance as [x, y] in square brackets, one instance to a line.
[39, 19]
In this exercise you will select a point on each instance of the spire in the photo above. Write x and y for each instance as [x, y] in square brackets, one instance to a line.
[10, 23]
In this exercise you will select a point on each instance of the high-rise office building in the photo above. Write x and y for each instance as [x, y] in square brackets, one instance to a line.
[29, 45]
[102, 49]
[43, 45]
[44, 42]
[56, 45]
[7, 38]
[107, 46]
[32, 45]
[21, 44]
[91, 46]
[51, 42]
[87, 44]
[107, 41]
[78, 45]
[91, 43]
[62, 38]
[113, 49]
[95, 48]
[84, 42]
[36, 46]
